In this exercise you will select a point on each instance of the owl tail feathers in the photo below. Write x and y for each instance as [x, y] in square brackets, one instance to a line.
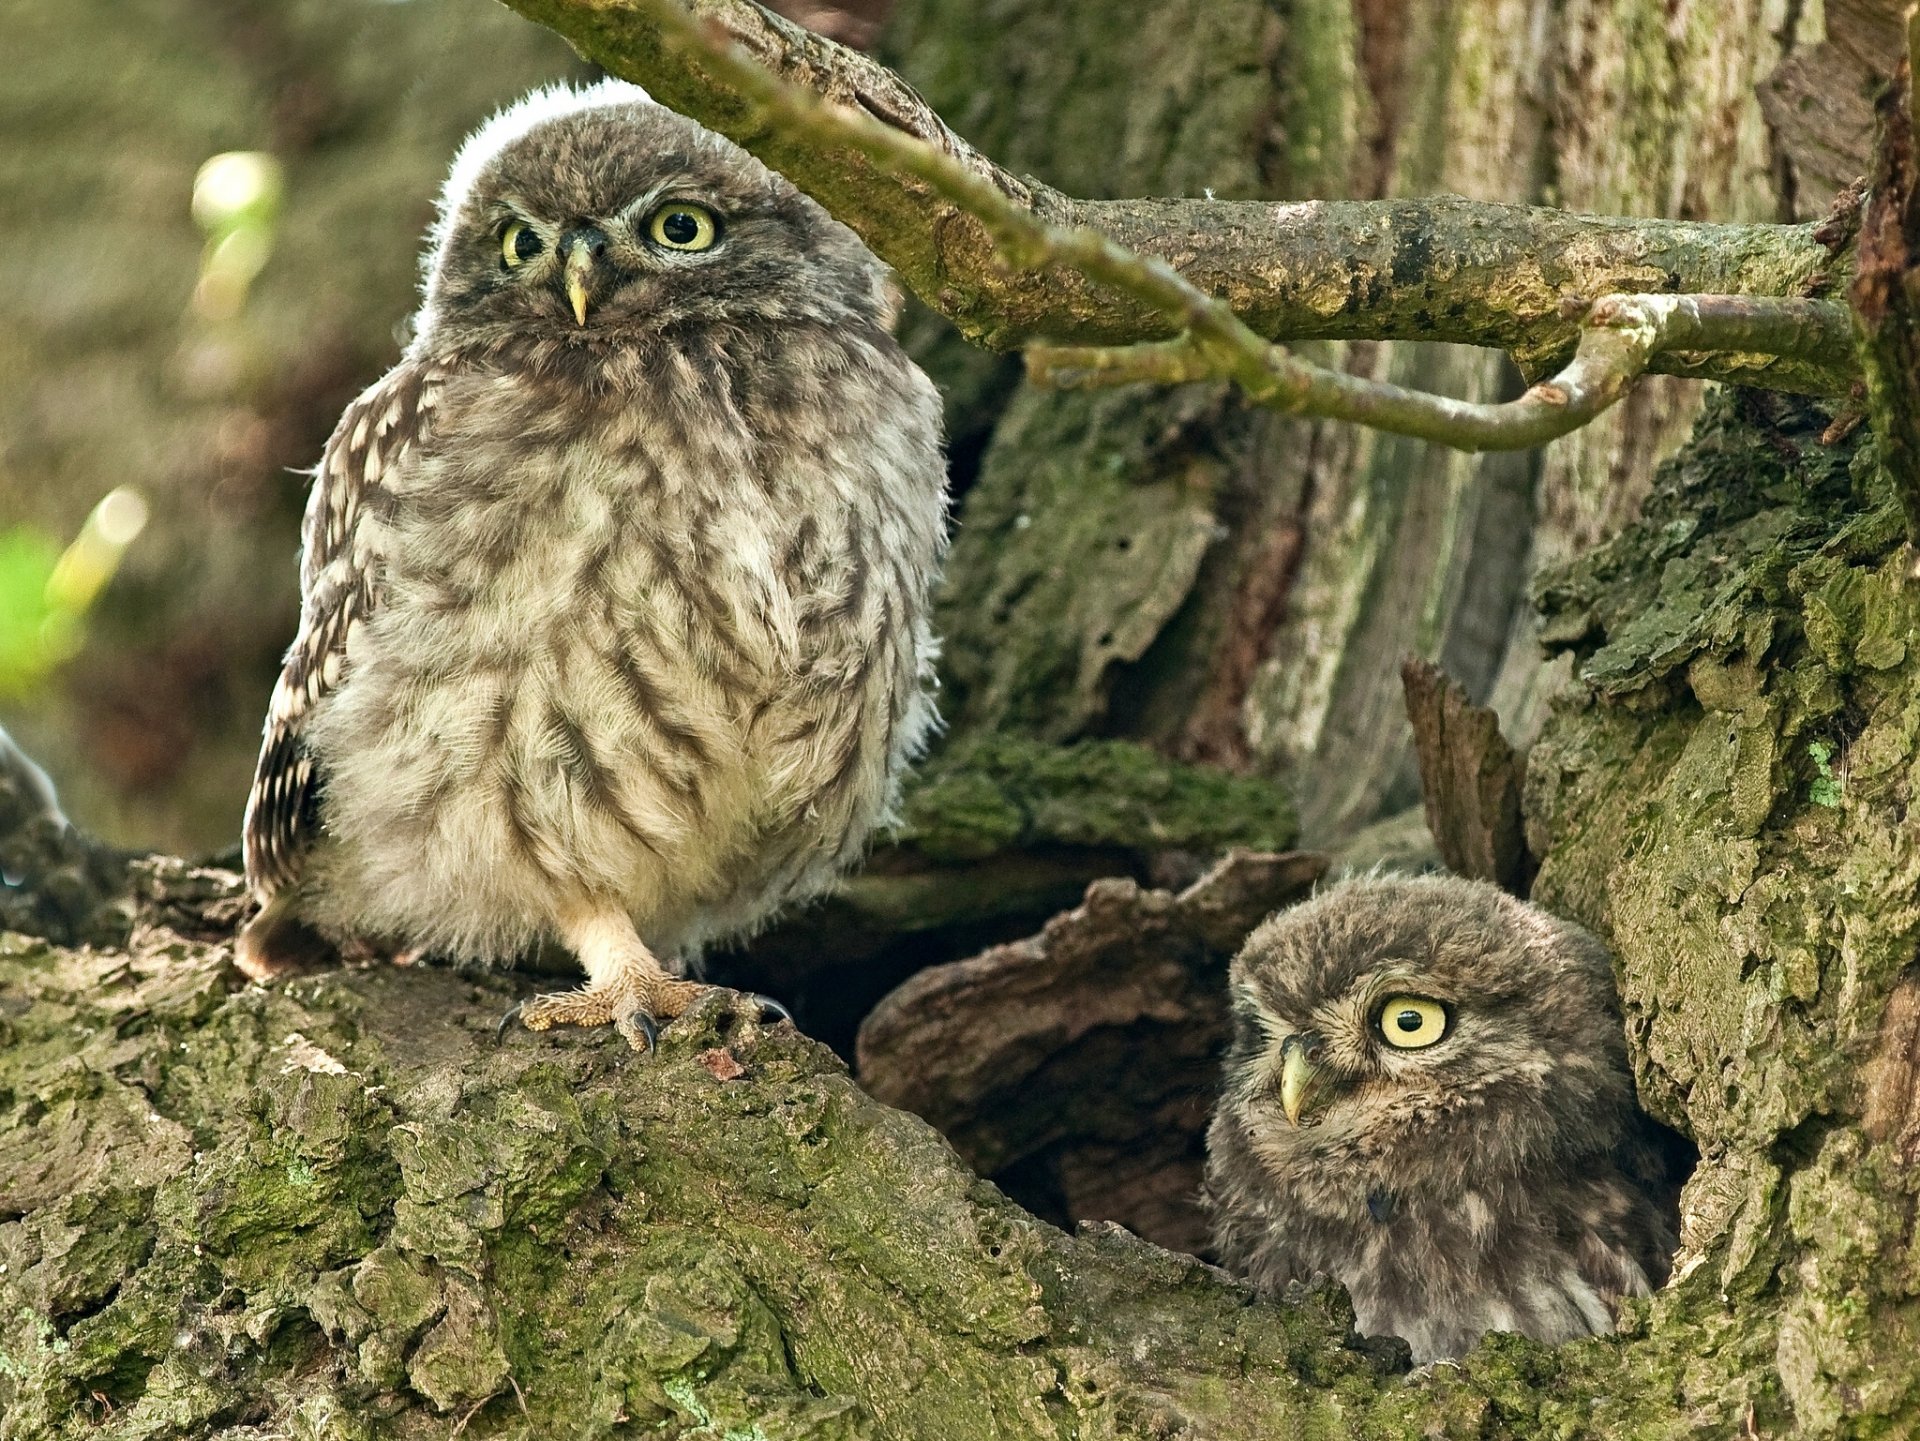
[278, 943]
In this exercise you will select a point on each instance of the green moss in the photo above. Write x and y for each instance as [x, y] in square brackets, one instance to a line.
[1724, 799]
[1003, 793]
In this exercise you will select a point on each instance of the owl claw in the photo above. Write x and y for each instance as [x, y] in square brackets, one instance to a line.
[641, 1030]
[770, 1005]
[638, 1025]
[634, 1005]
[512, 1015]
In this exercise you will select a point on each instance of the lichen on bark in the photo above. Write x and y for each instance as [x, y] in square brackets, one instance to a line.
[338, 1209]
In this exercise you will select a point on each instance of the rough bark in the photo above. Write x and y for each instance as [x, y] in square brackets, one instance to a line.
[337, 1208]
[1248, 586]
[1029, 1056]
[1470, 780]
[1726, 798]
[1819, 102]
[341, 1210]
[1886, 288]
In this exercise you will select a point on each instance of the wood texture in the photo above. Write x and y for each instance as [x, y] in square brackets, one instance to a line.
[1078, 1067]
[1886, 288]
[1470, 780]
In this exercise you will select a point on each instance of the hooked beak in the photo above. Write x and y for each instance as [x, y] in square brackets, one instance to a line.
[580, 252]
[1297, 1075]
[579, 268]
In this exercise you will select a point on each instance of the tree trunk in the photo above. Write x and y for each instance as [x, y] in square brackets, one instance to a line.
[1242, 588]
[337, 1208]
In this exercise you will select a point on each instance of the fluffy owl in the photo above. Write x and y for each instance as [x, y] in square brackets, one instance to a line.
[614, 590]
[1427, 1099]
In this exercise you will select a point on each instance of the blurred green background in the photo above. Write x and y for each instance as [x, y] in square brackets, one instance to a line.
[179, 336]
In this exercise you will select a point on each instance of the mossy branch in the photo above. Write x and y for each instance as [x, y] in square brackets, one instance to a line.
[1013, 263]
[340, 1210]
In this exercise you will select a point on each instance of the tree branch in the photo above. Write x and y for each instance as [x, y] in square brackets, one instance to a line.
[1619, 339]
[1434, 269]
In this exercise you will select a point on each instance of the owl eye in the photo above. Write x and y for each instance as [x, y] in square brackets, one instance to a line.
[518, 244]
[1412, 1023]
[684, 227]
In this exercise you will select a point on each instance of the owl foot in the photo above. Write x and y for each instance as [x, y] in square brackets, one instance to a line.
[633, 1002]
[626, 987]
[644, 1022]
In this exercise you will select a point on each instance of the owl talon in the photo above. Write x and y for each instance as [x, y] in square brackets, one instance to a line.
[633, 994]
[770, 1006]
[512, 1015]
[641, 1030]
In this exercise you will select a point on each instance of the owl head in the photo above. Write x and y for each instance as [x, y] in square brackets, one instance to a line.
[1421, 1033]
[587, 218]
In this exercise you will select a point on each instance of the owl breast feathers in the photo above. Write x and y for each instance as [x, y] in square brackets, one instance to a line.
[1427, 1099]
[614, 590]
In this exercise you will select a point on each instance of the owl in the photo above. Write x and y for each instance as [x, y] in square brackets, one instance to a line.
[614, 590]
[1427, 1099]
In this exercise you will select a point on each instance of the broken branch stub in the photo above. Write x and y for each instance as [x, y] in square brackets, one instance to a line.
[1470, 780]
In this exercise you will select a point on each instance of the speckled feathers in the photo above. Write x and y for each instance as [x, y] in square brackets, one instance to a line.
[615, 617]
[1499, 1179]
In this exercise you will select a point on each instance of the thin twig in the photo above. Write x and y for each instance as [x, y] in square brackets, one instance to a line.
[1619, 336]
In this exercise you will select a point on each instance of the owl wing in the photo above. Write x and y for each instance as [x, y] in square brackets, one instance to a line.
[1623, 1241]
[339, 588]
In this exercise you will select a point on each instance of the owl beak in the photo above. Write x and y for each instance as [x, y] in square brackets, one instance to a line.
[580, 252]
[577, 291]
[1297, 1075]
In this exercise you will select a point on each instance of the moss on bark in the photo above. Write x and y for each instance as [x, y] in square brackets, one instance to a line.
[336, 1208]
[1005, 793]
[1726, 798]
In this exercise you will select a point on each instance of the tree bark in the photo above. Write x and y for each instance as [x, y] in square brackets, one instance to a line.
[338, 1208]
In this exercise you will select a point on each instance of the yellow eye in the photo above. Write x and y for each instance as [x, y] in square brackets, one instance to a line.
[518, 244]
[1412, 1023]
[681, 226]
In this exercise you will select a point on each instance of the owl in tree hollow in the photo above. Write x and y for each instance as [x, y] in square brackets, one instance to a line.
[1427, 1099]
[614, 590]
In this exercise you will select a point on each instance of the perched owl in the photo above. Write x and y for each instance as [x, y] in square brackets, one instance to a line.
[1427, 1099]
[614, 590]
